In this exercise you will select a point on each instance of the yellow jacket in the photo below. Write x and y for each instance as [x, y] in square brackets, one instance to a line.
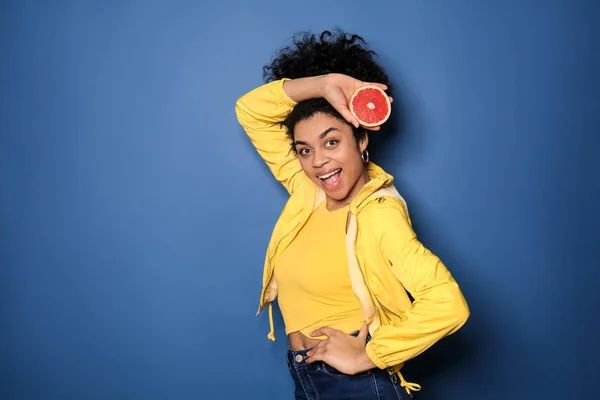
[385, 258]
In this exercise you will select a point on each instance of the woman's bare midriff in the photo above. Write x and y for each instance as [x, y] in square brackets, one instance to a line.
[299, 341]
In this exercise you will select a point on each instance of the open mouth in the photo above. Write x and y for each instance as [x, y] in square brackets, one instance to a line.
[332, 179]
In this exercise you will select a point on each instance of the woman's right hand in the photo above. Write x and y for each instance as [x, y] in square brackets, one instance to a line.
[338, 90]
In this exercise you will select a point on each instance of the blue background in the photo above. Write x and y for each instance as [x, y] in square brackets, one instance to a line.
[134, 214]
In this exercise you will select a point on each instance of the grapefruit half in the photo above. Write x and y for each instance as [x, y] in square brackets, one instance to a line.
[370, 105]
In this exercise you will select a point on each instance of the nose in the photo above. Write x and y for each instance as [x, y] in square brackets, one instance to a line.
[320, 158]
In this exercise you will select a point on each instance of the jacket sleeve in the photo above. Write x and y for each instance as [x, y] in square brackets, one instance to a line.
[260, 112]
[439, 308]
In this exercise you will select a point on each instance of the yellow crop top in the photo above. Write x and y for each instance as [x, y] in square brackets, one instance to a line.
[313, 278]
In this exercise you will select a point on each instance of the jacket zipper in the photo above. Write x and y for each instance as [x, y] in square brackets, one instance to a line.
[262, 295]
[271, 258]
[362, 274]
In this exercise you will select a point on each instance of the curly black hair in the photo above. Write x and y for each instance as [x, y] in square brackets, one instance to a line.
[330, 52]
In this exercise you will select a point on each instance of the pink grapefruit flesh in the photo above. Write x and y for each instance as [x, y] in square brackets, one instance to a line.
[370, 105]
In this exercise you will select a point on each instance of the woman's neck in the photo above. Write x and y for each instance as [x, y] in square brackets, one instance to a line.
[333, 204]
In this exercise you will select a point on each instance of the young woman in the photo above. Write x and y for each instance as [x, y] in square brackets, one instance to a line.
[343, 254]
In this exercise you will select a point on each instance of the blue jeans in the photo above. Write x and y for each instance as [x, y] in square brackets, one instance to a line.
[320, 381]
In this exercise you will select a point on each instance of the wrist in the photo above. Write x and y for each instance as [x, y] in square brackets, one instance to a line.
[321, 82]
[363, 362]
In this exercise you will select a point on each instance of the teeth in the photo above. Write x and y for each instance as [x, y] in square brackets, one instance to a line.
[330, 174]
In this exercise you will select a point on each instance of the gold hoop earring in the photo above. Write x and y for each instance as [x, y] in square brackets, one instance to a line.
[365, 156]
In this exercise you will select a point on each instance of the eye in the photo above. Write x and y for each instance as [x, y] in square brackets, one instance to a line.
[304, 151]
[331, 142]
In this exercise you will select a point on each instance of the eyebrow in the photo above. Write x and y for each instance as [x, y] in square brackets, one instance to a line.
[321, 136]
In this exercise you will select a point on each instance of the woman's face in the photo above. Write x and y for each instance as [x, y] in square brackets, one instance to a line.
[330, 156]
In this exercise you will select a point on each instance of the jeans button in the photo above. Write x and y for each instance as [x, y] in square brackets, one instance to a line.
[299, 358]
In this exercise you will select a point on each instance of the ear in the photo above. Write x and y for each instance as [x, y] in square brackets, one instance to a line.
[363, 143]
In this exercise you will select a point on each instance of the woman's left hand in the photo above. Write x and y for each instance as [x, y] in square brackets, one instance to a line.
[344, 352]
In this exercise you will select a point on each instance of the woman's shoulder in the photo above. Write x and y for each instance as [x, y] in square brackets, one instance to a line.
[386, 199]
[386, 209]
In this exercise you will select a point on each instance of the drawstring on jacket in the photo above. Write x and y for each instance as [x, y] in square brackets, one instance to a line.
[271, 334]
[408, 386]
